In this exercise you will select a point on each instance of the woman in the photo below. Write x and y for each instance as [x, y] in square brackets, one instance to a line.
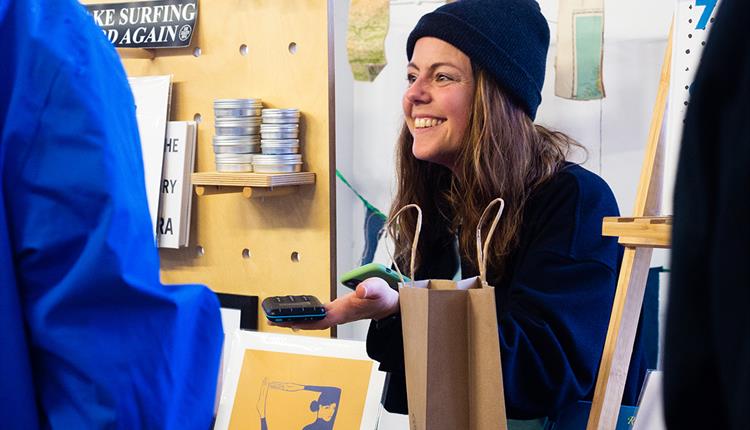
[475, 77]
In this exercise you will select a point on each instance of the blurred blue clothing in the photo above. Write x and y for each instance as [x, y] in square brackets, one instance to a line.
[89, 338]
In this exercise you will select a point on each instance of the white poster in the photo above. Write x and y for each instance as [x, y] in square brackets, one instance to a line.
[151, 94]
[172, 225]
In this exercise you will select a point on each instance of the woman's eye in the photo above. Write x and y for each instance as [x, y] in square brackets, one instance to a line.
[443, 77]
[411, 78]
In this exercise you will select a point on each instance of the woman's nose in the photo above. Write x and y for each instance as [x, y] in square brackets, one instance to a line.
[418, 92]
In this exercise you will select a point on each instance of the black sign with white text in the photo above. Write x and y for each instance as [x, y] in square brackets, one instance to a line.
[147, 24]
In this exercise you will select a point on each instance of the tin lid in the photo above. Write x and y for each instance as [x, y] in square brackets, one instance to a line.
[236, 140]
[279, 141]
[234, 158]
[281, 113]
[237, 121]
[251, 147]
[279, 127]
[237, 103]
[280, 145]
[278, 159]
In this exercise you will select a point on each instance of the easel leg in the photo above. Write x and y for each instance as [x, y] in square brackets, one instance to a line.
[618, 348]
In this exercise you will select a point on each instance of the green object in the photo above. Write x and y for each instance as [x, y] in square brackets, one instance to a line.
[364, 201]
[372, 270]
[588, 56]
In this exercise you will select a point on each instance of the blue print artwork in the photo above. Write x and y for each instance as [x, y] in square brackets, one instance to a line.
[325, 406]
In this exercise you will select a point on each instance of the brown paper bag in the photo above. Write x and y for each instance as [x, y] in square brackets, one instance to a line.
[451, 347]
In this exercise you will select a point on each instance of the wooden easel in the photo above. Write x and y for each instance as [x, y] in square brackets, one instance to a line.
[639, 234]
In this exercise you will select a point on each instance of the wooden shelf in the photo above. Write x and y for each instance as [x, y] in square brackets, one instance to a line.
[651, 232]
[250, 184]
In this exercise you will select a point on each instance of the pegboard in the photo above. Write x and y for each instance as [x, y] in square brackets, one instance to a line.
[281, 52]
[693, 20]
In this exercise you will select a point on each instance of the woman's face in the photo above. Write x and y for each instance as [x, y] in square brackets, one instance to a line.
[438, 101]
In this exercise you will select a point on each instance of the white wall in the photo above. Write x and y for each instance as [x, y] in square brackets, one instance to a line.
[613, 130]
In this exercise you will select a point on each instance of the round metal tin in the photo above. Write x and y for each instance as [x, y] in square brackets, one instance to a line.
[234, 167]
[279, 149]
[279, 134]
[234, 122]
[236, 140]
[237, 103]
[277, 159]
[279, 127]
[236, 131]
[236, 112]
[279, 141]
[280, 116]
[236, 149]
[234, 158]
[279, 131]
[281, 112]
[277, 168]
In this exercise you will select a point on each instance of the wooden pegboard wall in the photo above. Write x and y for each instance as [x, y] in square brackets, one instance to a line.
[278, 51]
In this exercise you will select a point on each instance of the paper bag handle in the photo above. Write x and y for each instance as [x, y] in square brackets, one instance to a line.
[482, 249]
[414, 243]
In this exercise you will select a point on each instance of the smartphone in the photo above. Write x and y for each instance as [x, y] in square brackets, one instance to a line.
[372, 270]
[293, 308]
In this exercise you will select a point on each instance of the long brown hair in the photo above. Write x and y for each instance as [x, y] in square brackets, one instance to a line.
[504, 154]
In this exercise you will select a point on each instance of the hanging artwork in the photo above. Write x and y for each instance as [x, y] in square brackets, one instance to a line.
[365, 43]
[278, 381]
[580, 40]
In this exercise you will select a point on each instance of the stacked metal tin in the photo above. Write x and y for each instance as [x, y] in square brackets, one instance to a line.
[237, 133]
[279, 142]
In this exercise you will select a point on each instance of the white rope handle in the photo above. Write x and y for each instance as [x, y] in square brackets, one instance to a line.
[482, 250]
[414, 243]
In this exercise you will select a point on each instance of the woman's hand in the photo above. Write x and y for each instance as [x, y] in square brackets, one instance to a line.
[373, 298]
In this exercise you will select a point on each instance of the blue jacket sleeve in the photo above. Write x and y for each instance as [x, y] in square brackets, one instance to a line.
[110, 346]
[555, 313]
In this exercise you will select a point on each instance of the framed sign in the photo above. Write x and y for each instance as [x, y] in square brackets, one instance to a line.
[147, 24]
[276, 382]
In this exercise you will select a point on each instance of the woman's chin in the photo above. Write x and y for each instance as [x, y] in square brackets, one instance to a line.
[432, 156]
[423, 153]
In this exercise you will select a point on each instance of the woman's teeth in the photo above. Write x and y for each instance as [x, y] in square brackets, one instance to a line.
[427, 122]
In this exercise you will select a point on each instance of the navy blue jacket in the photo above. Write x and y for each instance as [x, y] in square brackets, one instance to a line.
[553, 303]
[89, 337]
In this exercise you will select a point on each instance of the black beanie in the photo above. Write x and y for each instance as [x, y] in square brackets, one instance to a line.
[507, 38]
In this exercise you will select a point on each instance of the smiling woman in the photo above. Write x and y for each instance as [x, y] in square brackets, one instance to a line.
[476, 71]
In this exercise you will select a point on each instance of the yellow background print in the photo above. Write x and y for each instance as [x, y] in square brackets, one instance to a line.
[290, 410]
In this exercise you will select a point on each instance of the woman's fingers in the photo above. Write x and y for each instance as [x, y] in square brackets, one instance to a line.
[378, 299]
[373, 289]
